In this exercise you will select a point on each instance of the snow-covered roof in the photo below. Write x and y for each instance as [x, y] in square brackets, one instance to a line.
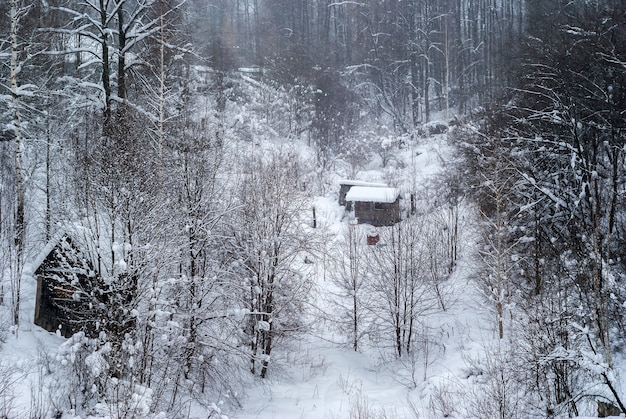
[73, 232]
[372, 194]
[361, 183]
[31, 266]
[250, 69]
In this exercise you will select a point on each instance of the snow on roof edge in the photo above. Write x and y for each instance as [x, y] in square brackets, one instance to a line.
[32, 265]
[351, 182]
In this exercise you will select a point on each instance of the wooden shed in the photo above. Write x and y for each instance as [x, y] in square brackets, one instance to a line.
[64, 274]
[378, 206]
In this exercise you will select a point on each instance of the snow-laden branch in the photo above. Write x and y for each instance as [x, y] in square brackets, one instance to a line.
[25, 90]
[558, 201]
[81, 30]
[134, 17]
[343, 3]
[353, 68]
[90, 85]
[97, 60]
[137, 37]
[612, 60]
[153, 118]
[91, 22]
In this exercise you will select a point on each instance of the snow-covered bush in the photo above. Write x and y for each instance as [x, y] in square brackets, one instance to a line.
[81, 371]
[84, 380]
[9, 376]
[494, 389]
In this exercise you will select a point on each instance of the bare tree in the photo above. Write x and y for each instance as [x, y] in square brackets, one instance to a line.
[268, 238]
[400, 270]
[348, 270]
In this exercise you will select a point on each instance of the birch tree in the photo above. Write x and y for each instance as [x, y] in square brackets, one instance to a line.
[14, 132]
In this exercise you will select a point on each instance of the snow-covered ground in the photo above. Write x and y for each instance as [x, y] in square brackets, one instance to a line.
[326, 380]
[23, 360]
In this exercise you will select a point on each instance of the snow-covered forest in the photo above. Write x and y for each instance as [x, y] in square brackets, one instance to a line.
[170, 174]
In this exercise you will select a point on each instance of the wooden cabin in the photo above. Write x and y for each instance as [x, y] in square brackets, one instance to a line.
[378, 206]
[63, 276]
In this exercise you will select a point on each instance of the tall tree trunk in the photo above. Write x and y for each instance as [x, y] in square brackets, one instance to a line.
[18, 149]
[415, 85]
[48, 222]
[106, 68]
[121, 58]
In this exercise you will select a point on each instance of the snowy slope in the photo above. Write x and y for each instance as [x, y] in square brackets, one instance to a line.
[329, 380]
[23, 360]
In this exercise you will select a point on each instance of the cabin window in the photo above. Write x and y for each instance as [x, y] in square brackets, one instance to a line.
[379, 206]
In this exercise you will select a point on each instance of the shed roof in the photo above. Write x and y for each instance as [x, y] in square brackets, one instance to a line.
[372, 194]
[351, 182]
[31, 267]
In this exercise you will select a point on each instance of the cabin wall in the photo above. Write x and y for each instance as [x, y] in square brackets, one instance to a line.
[377, 214]
[56, 304]
[48, 315]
